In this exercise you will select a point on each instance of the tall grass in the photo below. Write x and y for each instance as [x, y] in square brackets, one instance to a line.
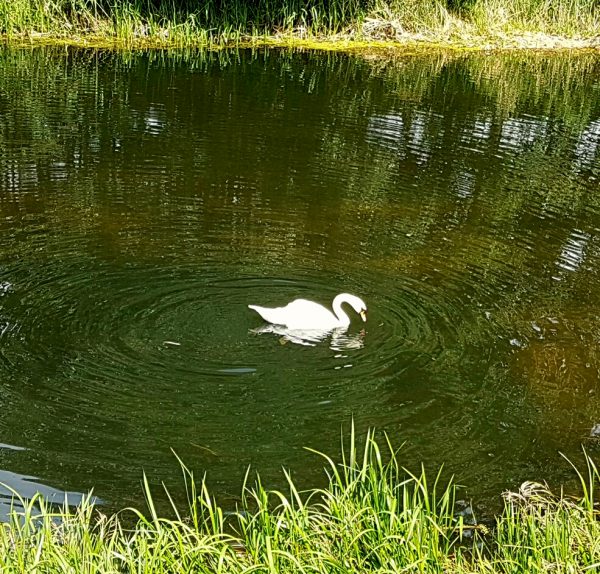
[372, 516]
[178, 21]
[572, 18]
[539, 532]
[201, 22]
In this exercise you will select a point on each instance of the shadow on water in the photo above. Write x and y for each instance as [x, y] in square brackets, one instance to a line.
[146, 199]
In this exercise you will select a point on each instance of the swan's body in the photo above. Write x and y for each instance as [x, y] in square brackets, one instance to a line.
[305, 314]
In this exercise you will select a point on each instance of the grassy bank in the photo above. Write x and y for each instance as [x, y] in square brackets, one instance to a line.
[373, 516]
[462, 23]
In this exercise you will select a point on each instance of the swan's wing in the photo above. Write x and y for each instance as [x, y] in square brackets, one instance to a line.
[305, 314]
[298, 314]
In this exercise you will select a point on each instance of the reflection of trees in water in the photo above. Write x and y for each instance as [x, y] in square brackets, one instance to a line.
[107, 109]
[512, 138]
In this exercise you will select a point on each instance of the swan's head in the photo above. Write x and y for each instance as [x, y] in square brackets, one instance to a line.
[355, 302]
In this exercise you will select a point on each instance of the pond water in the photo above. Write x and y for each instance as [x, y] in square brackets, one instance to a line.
[147, 199]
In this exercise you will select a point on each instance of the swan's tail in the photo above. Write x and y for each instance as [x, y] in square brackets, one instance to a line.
[268, 314]
[260, 310]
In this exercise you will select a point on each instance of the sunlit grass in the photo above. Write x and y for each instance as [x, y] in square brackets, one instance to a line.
[372, 516]
[567, 17]
[206, 22]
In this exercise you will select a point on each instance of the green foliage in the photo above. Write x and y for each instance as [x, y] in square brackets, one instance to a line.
[201, 22]
[373, 516]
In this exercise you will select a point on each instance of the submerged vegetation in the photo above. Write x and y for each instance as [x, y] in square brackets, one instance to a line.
[483, 23]
[372, 516]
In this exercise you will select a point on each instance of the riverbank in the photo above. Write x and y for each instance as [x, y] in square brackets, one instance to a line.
[373, 516]
[332, 24]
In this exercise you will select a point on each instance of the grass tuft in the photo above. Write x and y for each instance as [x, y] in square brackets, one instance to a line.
[372, 516]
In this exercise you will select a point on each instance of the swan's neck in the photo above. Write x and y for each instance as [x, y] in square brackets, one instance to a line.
[339, 312]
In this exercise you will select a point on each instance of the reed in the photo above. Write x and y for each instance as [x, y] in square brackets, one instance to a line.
[372, 516]
[221, 22]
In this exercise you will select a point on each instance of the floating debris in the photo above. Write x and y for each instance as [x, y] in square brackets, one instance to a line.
[238, 371]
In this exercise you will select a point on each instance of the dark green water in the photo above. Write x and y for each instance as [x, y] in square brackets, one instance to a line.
[145, 200]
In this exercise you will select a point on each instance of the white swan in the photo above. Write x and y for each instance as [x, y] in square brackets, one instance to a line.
[304, 314]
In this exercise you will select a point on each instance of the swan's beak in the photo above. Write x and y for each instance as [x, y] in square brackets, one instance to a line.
[363, 315]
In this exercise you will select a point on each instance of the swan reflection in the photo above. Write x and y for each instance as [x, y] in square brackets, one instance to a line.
[339, 339]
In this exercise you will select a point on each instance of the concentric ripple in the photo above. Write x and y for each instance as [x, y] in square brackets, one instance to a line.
[131, 327]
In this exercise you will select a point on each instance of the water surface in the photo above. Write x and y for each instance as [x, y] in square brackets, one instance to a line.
[146, 199]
